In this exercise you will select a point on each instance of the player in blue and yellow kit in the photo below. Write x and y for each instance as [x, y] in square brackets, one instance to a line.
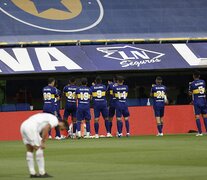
[70, 106]
[50, 95]
[197, 89]
[112, 101]
[158, 93]
[83, 94]
[100, 105]
[120, 92]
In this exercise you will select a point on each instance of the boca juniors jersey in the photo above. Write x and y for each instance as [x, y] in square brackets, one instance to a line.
[70, 91]
[49, 94]
[83, 94]
[121, 93]
[159, 94]
[198, 90]
[99, 93]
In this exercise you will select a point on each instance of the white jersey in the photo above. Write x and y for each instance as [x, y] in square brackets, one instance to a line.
[38, 121]
[32, 127]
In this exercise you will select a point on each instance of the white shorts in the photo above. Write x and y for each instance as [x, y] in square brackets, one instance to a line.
[30, 136]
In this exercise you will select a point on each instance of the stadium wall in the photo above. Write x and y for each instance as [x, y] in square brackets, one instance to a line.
[177, 120]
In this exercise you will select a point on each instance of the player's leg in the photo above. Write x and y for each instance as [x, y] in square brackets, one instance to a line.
[126, 119]
[119, 121]
[105, 114]
[79, 115]
[111, 116]
[197, 112]
[30, 160]
[96, 121]
[87, 117]
[204, 115]
[158, 120]
[74, 120]
[65, 118]
[161, 119]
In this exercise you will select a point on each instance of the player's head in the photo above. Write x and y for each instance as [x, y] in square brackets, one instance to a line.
[98, 80]
[120, 79]
[158, 80]
[72, 80]
[196, 74]
[51, 81]
[84, 81]
[63, 125]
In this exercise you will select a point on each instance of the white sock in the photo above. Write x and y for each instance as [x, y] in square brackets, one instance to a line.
[88, 134]
[40, 161]
[79, 134]
[30, 162]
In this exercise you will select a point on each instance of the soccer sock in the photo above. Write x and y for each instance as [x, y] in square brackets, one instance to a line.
[110, 126]
[78, 125]
[119, 126]
[30, 162]
[57, 131]
[127, 125]
[88, 126]
[159, 128]
[107, 126]
[74, 127]
[40, 161]
[49, 133]
[205, 123]
[96, 127]
[161, 125]
[198, 123]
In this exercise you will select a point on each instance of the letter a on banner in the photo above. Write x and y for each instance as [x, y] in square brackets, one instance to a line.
[46, 63]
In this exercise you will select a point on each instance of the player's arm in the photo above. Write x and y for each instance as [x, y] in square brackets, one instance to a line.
[190, 92]
[44, 135]
[151, 92]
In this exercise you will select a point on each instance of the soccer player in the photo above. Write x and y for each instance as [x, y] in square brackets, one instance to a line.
[158, 93]
[70, 106]
[197, 89]
[112, 100]
[31, 129]
[50, 93]
[120, 93]
[83, 94]
[100, 105]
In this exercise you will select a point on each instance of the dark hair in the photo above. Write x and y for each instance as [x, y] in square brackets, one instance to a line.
[50, 80]
[84, 81]
[196, 74]
[120, 78]
[98, 80]
[72, 80]
[159, 78]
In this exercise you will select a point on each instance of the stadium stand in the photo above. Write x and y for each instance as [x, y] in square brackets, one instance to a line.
[22, 107]
[8, 107]
[103, 21]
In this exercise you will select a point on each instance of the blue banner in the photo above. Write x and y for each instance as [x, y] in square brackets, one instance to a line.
[38, 20]
[102, 58]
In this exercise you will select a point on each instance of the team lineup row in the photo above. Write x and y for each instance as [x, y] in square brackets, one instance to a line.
[78, 103]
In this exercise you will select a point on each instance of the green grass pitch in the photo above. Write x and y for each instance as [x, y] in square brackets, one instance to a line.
[172, 157]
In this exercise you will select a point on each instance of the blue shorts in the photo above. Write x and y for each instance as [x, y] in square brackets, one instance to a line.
[83, 114]
[200, 109]
[101, 109]
[122, 110]
[159, 111]
[70, 109]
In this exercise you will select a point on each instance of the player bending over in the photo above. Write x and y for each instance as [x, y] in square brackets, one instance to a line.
[31, 129]
[100, 105]
[120, 93]
[83, 94]
[158, 92]
[197, 89]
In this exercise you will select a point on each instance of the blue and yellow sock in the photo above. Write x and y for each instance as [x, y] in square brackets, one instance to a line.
[110, 126]
[74, 127]
[107, 126]
[78, 125]
[119, 126]
[159, 128]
